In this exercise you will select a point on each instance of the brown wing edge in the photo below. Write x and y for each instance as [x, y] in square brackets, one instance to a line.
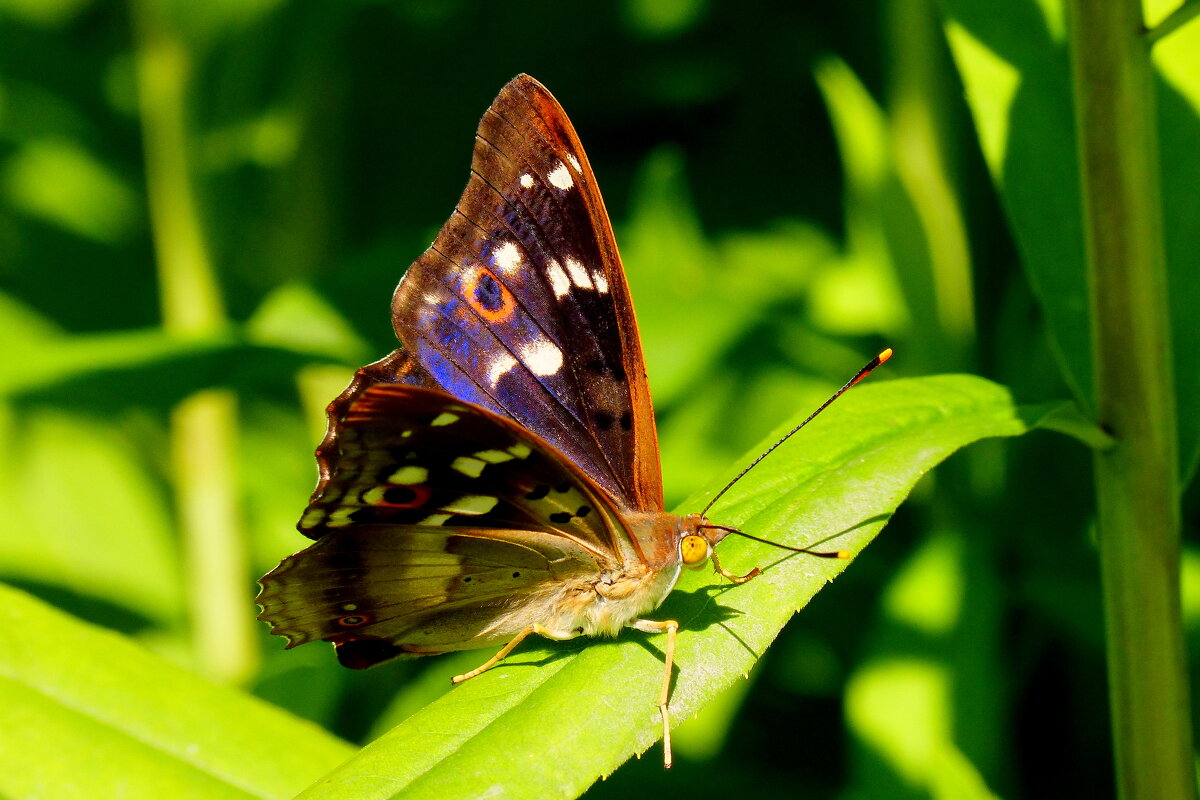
[396, 367]
[647, 489]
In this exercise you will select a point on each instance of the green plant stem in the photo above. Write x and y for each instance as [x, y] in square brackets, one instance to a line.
[203, 427]
[1136, 478]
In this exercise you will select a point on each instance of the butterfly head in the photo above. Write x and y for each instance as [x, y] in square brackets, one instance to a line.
[700, 538]
[697, 543]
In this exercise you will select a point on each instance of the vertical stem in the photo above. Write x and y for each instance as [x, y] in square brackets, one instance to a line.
[1136, 479]
[203, 427]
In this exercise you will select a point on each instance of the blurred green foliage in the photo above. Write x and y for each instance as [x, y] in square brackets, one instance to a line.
[793, 187]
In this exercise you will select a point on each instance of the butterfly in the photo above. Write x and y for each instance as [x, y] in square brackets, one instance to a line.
[498, 475]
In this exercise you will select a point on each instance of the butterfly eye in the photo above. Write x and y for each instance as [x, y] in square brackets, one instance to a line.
[694, 550]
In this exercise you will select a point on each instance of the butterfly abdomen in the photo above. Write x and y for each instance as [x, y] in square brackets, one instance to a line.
[623, 597]
[586, 606]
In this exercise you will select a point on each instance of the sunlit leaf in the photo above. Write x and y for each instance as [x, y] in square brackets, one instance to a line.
[65, 185]
[100, 717]
[85, 519]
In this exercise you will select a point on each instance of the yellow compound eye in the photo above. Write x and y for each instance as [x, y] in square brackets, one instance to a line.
[694, 550]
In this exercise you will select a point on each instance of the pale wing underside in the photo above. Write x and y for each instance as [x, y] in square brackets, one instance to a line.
[420, 590]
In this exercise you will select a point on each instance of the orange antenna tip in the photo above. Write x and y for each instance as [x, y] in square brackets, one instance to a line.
[884, 356]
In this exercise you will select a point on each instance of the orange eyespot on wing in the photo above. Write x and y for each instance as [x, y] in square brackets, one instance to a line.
[488, 296]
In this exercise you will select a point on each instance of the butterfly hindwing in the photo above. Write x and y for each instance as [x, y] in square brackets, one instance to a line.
[377, 592]
[397, 367]
[521, 304]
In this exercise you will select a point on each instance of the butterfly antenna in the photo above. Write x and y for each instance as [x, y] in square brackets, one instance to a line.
[808, 550]
[862, 373]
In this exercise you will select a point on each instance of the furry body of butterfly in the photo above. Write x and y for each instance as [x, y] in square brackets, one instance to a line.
[498, 475]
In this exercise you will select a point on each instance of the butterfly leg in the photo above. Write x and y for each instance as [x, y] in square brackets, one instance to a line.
[671, 627]
[724, 573]
[540, 630]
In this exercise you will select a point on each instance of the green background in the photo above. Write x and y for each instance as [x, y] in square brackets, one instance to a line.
[793, 187]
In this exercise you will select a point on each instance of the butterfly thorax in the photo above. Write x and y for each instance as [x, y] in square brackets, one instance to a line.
[624, 593]
[625, 588]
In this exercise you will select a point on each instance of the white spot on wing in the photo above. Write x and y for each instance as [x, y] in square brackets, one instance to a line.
[499, 367]
[579, 275]
[471, 467]
[434, 519]
[471, 504]
[445, 418]
[494, 456]
[520, 450]
[574, 162]
[560, 177]
[600, 281]
[542, 357]
[507, 258]
[409, 475]
[558, 280]
[527, 181]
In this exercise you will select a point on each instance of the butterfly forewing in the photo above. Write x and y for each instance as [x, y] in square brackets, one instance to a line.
[521, 304]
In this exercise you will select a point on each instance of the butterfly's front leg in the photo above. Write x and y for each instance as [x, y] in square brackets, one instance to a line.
[724, 573]
[671, 627]
[540, 630]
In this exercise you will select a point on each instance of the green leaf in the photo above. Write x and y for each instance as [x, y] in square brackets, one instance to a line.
[1015, 72]
[552, 719]
[107, 372]
[98, 716]
[94, 527]
[885, 249]
[1066, 417]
